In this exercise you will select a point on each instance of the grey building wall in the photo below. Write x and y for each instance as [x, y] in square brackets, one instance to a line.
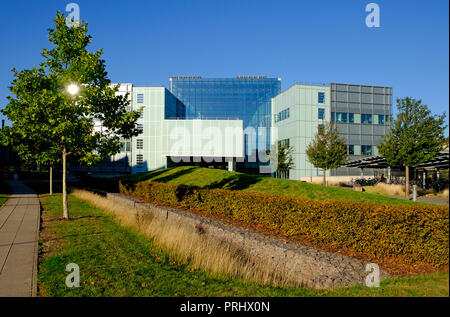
[360, 102]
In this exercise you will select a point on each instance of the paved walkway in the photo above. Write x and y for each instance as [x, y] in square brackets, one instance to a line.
[424, 199]
[19, 233]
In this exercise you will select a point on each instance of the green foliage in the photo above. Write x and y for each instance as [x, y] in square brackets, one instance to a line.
[283, 161]
[416, 232]
[415, 136]
[327, 150]
[47, 120]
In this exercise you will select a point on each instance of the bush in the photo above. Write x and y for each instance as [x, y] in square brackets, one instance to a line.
[417, 232]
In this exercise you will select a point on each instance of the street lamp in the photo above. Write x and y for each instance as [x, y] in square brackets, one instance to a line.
[73, 89]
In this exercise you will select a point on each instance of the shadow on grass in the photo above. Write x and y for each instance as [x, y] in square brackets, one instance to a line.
[145, 175]
[235, 182]
[175, 175]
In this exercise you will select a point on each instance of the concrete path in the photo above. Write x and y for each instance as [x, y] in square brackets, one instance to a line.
[424, 199]
[19, 233]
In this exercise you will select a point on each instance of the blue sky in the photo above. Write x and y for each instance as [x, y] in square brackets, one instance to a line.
[146, 42]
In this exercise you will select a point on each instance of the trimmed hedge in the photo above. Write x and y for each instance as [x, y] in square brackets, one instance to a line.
[417, 232]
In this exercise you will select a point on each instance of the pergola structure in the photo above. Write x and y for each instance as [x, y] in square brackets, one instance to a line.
[441, 161]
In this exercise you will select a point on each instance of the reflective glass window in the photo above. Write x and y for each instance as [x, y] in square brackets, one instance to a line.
[366, 149]
[321, 113]
[366, 118]
[321, 97]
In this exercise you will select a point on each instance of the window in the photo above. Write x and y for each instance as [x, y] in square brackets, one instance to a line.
[351, 117]
[380, 119]
[366, 149]
[140, 127]
[282, 115]
[125, 147]
[332, 116]
[321, 97]
[351, 149]
[387, 119]
[139, 144]
[140, 98]
[321, 113]
[320, 127]
[284, 142]
[139, 159]
[366, 118]
[341, 117]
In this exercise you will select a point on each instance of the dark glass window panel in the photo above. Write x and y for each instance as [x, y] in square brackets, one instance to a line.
[321, 113]
[366, 149]
[351, 117]
[351, 149]
[366, 118]
[321, 97]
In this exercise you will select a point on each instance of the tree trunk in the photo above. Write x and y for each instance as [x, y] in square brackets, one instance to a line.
[64, 190]
[51, 180]
[324, 177]
[407, 182]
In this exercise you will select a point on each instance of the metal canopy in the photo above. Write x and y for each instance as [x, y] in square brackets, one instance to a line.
[368, 162]
[439, 162]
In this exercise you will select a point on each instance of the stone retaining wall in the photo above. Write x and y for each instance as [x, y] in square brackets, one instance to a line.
[311, 267]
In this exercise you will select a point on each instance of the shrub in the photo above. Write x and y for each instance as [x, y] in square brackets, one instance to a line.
[417, 232]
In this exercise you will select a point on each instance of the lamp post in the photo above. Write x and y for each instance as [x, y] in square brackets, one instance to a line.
[73, 89]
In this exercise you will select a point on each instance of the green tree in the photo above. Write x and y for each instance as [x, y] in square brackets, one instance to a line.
[59, 103]
[27, 142]
[327, 150]
[415, 136]
[281, 159]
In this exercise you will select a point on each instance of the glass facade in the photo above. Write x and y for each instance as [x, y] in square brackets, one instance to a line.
[244, 98]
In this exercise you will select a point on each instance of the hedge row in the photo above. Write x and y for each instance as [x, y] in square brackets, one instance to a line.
[418, 232]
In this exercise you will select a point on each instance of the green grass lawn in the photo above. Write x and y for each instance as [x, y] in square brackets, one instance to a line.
[4, 192]
[117, 261]
[3, 198]
[216, 178]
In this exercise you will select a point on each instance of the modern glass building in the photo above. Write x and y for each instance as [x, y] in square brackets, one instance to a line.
[217, 122]
[247, 98]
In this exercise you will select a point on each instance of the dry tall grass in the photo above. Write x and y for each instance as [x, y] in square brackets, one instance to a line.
[188, 246]
[443, 193]
[386, 189]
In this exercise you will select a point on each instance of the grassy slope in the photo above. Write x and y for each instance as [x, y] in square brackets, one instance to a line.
[116, 261]
[216, 178]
